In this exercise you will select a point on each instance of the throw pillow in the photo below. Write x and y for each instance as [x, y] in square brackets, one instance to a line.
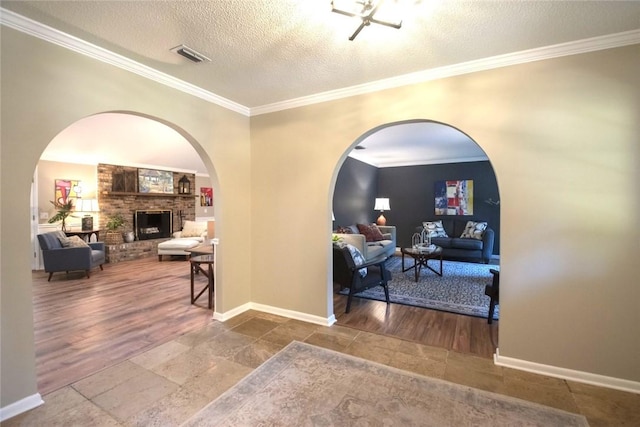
[358, 259]
[344, 230]
[474, 230]
[72, 242]
[435, 228]
[193, 229]
[371, 232]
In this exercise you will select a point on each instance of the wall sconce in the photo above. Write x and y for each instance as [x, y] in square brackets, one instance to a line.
[382, 204]
[184, 185]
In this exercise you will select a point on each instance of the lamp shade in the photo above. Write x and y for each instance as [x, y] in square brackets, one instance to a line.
[87, 205]
[382, 204]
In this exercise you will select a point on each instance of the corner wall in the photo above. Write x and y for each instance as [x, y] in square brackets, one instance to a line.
[562, 136]
[45, 92]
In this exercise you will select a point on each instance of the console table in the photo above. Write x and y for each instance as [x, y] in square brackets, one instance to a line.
[84, 235]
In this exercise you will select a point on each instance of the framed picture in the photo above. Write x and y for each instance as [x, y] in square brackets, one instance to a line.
[206, 196]
[155, 181]
[66, 189]
[454, 197]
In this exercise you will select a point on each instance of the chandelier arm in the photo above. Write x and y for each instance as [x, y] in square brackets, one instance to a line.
[387, 24]
[342, 12]
[355, 34]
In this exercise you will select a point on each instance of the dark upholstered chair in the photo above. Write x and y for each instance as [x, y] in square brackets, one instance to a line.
[347, 274]
[493, 292]
[58, 258]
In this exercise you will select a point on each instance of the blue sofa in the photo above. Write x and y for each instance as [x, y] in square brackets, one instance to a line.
[456, 247]
[58, 258]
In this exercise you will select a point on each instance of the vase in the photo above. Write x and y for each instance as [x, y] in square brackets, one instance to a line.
[129, 236]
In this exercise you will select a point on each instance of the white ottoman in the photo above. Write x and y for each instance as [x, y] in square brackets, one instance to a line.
[177, 246]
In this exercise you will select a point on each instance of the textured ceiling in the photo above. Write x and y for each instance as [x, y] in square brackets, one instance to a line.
[274, 51]
[270, 51]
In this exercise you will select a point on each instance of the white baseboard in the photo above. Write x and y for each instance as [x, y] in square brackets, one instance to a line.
[20, 406]
[567, 374]
[317, 320]
[223, 317]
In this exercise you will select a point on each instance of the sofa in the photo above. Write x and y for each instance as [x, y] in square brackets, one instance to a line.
[459, 240]
[193, 234]
[62, 253]
[369, 246]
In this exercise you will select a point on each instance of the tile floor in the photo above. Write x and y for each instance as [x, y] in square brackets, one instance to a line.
[169, 383]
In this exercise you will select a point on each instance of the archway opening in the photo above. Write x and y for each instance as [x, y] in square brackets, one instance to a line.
[139, 302]
[408, 174]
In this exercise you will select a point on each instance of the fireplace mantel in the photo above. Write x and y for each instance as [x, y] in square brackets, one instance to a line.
[123, 193]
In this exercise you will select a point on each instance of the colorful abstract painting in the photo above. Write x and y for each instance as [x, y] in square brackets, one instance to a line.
[454, 197]
[67, 189]
[206, 196]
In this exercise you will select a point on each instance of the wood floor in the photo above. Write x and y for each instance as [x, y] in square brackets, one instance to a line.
[84, 325]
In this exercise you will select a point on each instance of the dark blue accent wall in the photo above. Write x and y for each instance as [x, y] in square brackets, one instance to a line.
[355, 193]
[411, 193]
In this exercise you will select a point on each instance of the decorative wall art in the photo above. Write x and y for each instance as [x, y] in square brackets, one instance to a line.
[206, 196]
[155, 181]
[67, 189]
[454, 197]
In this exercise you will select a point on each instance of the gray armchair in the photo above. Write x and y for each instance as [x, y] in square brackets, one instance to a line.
[347, 274]
[58, 258]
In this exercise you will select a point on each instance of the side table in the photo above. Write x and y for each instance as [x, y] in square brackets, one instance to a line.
[195, 264]
[84, 235]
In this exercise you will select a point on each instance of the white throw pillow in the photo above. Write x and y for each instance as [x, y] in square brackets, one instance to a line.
[474, 230]
[358, 259]
[193, 229]
[434, 228]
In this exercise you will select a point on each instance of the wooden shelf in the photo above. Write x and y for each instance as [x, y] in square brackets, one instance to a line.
[124, 193]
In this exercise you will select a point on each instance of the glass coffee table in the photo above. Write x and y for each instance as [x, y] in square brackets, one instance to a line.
[421, 257]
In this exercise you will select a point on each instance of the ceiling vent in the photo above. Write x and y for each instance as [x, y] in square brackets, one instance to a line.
[190, 54]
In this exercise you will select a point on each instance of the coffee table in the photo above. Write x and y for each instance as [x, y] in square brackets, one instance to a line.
[421, 259]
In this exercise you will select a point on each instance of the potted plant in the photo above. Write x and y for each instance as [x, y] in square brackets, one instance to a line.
[114, 223]
[64, 210]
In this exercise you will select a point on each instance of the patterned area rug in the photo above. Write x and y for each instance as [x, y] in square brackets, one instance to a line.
[459, 290]
[304, 385]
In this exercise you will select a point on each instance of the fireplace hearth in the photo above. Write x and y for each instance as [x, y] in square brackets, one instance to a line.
[153, 224]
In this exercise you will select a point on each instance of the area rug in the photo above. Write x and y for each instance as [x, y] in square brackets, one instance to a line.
[304, 385]
[459, 290]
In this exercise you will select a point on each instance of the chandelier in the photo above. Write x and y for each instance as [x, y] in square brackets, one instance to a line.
[386, 12]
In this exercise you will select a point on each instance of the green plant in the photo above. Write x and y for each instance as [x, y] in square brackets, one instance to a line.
[64, 210]
[335, 238]
[115, 221]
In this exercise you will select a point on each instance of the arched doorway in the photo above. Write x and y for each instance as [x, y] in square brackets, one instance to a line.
[405, 174]
[125, 139]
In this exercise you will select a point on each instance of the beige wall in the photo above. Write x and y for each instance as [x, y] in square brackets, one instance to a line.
[45, 92]
[203, 211]
[49, 171]
[561, 135]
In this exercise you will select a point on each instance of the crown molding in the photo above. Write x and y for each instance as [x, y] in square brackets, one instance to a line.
[44, 32]
[539, 54]
[49, 34]
[419, 162]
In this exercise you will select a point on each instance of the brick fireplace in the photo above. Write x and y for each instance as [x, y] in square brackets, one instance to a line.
[182, 208]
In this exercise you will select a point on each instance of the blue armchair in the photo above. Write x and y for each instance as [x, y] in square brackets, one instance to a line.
[58, 258]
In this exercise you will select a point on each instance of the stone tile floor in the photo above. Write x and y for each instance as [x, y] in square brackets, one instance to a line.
[171, 382]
